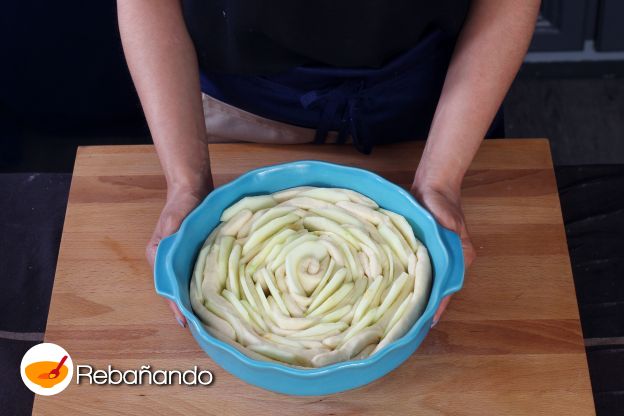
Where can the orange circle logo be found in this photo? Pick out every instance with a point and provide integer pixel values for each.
(46, 369)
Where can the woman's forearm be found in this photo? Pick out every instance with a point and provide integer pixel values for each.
(163, 65)
(487, 56)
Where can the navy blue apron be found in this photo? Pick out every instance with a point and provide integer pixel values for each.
(373, 106)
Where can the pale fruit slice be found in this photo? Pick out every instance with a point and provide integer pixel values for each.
(310, 276)
(252, 203)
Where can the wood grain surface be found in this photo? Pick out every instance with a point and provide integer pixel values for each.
(510, 342)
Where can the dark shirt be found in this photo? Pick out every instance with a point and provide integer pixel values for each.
(270, 36)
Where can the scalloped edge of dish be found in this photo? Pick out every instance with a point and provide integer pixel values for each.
(433, 303)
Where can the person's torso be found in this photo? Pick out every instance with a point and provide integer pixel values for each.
(261, 37)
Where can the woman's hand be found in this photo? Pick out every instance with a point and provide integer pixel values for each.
(489, 50)
(180, 202)
(445, 205)
(163, 64)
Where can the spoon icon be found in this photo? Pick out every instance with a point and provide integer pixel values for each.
(54, 373)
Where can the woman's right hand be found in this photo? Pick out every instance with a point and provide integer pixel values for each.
(163, 63)
(180, 202)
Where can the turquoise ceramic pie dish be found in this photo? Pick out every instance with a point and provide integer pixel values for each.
(176, 257)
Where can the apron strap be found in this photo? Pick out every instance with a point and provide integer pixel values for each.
(342, 101)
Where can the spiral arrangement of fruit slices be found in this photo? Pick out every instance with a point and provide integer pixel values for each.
(310, 277)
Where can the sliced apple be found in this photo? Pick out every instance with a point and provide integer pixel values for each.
(252, 203)
(310, 277)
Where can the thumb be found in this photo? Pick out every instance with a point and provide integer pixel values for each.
(168, 223)
(150, 250)
(470, 253)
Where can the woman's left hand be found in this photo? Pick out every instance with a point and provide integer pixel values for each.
(445, 206)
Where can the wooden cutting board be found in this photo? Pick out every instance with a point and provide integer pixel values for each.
(509, 343)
